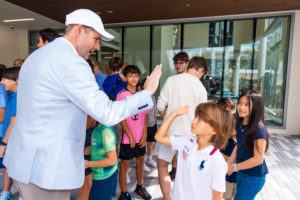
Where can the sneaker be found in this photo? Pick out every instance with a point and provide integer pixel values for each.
(172, 173)
(141, 191)
(127, 178)
(150, 162)
(5, 196)
(125, 196)
(146, 168)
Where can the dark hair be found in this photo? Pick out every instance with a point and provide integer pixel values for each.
(256, 118)
(226, 103)
(11, 73)
(131, 69)
(90, 64)
(181, 56)
(48, 34)
(115, 64)
(198, 62)
(2, 67)
(221, 120)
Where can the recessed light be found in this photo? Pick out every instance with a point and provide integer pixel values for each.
(187, 5)
(18, 20)
(110, 11)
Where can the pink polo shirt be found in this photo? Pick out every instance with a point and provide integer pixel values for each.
(135, 123)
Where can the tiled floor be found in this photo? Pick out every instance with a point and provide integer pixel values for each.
(283, 180)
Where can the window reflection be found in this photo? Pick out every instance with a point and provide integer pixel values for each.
(269, 78)
(242, 54)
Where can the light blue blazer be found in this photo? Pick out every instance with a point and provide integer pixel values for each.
(56, 92)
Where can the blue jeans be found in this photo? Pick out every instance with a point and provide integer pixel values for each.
(247, 186)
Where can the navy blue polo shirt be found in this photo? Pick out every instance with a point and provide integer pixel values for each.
(227, 151)
(242, 154)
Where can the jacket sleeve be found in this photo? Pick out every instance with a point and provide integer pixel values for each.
(81, 89)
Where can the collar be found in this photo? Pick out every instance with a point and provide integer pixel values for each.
(70, 44)
(208, 150)
(129, 91)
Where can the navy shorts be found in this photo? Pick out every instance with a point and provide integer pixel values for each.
(104, 189)
(1, 163)
(127, 153)
(151, 133)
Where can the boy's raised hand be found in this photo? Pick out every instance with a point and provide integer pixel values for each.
(181, 110)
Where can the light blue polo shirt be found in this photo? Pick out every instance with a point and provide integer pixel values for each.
(2, 105)
(11, 110)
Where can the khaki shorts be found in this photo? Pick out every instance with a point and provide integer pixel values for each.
(230, 190)
(34, 192)
(165, 153)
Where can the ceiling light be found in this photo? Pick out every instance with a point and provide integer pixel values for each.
(110, 11)
(187, 5)
(18, 20)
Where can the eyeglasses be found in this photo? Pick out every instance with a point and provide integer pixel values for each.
(179, 63)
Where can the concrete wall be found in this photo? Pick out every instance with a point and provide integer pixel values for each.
(13, 44)
(196, 35)
(293, 82)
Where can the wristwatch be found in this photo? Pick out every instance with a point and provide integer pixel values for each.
(235, 169)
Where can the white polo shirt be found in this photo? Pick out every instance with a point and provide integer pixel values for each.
(198, 172)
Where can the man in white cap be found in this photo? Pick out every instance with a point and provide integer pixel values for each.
(56, 92)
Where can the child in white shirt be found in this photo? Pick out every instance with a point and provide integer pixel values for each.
(201, 168)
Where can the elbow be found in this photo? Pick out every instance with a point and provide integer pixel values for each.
(156, 138)
(114, 161)
(260, 161)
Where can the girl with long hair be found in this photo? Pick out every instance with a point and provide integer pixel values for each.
(248, 157)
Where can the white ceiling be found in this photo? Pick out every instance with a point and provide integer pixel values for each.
(12, 11)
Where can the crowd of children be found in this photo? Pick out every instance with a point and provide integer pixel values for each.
(222, 144)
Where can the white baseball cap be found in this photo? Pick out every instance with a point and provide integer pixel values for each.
(88, 18)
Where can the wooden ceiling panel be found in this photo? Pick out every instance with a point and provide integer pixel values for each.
(149, 10)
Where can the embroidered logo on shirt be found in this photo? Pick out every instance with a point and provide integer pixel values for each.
(135, 117)
(201, 166)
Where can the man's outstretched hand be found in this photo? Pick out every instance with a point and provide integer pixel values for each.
(152, 81)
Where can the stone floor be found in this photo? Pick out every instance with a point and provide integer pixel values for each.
(283, 180)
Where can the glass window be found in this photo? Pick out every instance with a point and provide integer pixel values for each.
(110, 49)
(238, 55)
(242, 54)
(165, 44)
(269, 74)
(137, 48)
(197, 42)
(34, 39)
